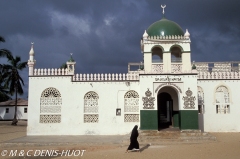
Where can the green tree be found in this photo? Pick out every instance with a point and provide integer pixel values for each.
(4, 52)
(14, 81)
(2, 39)
(63, 66)
(4, 92)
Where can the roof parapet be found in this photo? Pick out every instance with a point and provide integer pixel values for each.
(167, 37)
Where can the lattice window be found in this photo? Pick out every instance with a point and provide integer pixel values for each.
(91, 107)
(50, 106)
(131, 101)
(54, 101)
(51, 92)
(131, 104)
(50, 109)
(221, 67)
(222, 100)
(50, 118)
(131, 118)
(200, 100)
(201, 67)
(157, 68)
(91, 118)
(176, 68)
(91, 102)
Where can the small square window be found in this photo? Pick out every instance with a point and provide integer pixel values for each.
(200, 109)
(25, 110)
(7, 110)
(118, 111)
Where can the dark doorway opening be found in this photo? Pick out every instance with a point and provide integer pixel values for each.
(165, 109)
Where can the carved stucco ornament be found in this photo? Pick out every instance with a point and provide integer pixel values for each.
(148, 101)
(189, 100)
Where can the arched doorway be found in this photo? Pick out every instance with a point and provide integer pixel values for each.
(164, 110)
(168, 109)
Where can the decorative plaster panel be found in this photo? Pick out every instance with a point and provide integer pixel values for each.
(189, 100)
(131, 118)
(148, 101)
(50, 118)
(91, 118)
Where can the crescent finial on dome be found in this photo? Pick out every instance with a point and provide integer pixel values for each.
(163, 6)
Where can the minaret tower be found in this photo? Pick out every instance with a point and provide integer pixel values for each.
(70, 65)
(31, 61)
(165, 47)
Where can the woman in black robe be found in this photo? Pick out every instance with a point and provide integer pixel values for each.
(134, 145)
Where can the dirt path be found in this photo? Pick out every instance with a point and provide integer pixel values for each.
(227, 146)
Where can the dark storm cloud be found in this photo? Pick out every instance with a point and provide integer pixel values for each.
(24, 17)
(105, 35)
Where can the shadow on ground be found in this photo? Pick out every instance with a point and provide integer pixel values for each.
(144, 147)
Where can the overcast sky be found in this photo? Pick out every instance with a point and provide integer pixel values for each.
(104, 35)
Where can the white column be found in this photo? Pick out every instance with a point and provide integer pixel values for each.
(148, 61)
(31, 61)
(167, 62)
(186, 62)
(71, 68)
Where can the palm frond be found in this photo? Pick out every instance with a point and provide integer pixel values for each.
(2, 39)
(17, 59)
(22, 65)
(4, 90)
(21, 80)
(19, 88)
(6, 53)
(4, 97)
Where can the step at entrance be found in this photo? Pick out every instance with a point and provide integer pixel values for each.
(166, 137)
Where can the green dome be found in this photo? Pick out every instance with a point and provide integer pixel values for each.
(164, 27)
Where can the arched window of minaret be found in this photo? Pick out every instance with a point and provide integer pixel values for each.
(200, 100)
(50, 106)
(91, 107)
(131, 106)
(222, 100)
(157, 55)
(176, 55)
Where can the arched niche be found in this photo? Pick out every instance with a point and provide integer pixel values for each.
(157, 54)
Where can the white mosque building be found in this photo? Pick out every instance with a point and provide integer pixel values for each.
(167, 90)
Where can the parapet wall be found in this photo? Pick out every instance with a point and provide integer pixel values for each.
(217, 71)
(106, 77)
(218, 75)
(168, 37)
(88, 77)
(52, 71)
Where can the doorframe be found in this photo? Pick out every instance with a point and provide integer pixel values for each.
(174, 114)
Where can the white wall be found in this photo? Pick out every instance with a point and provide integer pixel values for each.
(154, 85)
(186, 55)
(214, 122)
(111, 96)
(9, 116)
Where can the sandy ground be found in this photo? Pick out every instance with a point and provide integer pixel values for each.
(227, 146)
